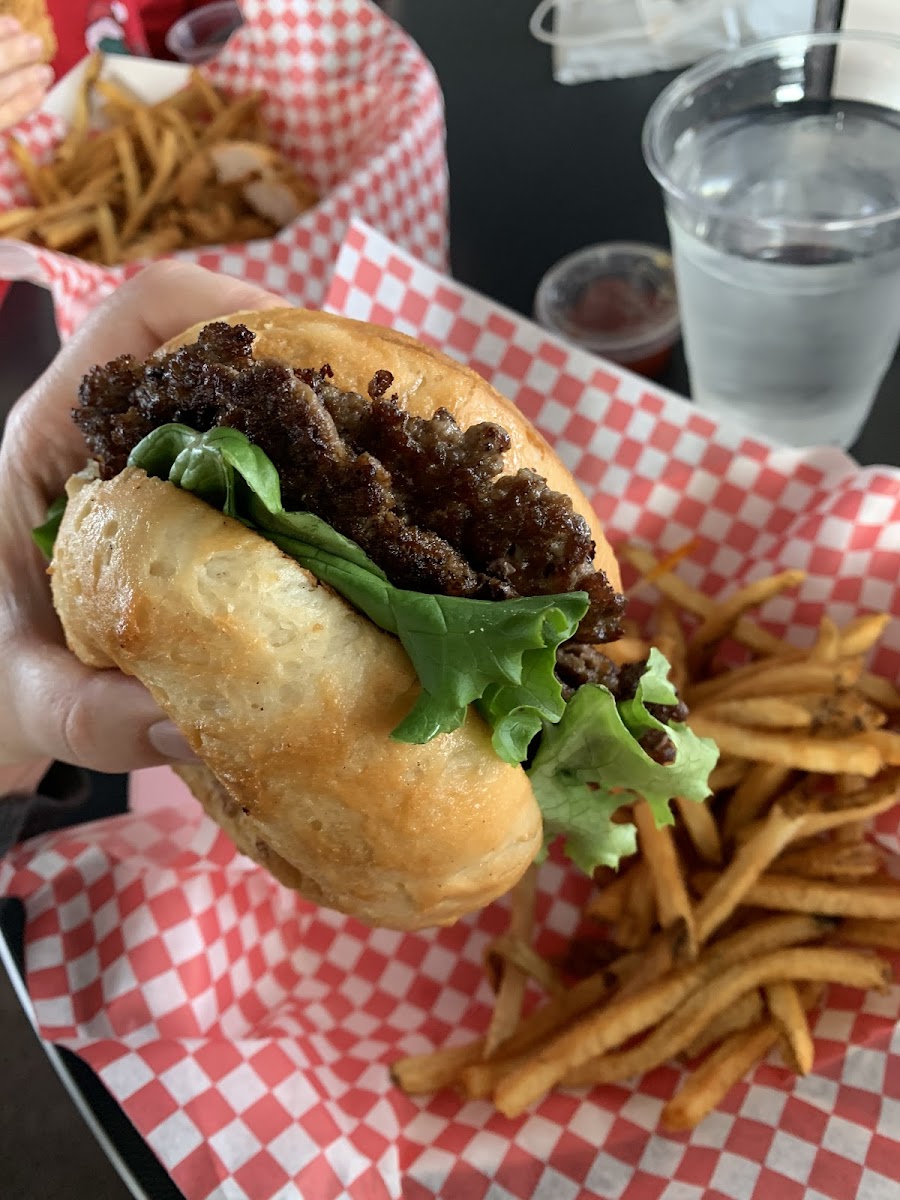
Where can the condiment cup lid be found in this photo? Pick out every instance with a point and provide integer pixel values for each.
(616, 299)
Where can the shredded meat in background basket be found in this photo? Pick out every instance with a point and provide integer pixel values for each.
(425, 499)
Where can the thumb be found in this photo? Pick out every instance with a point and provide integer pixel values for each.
(101, 720)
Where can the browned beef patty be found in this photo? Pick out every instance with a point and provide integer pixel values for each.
(425, 499)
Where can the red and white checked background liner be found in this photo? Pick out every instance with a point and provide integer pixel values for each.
(247, 1034)
(356, 107)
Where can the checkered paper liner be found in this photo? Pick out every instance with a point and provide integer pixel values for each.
(351, 101)
(247, 1034)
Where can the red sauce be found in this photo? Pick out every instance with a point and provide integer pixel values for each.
(614, 305)
(618, 306)
(653, 365)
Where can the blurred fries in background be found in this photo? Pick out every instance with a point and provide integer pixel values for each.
(132, 180)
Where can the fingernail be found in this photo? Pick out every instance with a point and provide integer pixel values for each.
(33, 44)
(42, 75)
(170, 742)
(9, 25)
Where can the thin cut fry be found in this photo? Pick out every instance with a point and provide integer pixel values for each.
(876, 798)
(670, 641)
(558, 1011)
(478, 1081)
(34, 177)
(106, 231)
(702, 829)
(784, 893)
(675, 946)
(608, 903)
(431, 1072)
(881, 691)
(624, 1017)
(118, 94)
(775, 677)
(793, 1028)
(64, 233)
(633, 928)
(887, 743)
(17, 222)
(831, 861)
(131, 181)
(748, 864)
(211, 97)
(513, 979)
(165, 162)
(745, 631)
(862, 633)
(667, 564)
(851, 834)
(866, 931)
(721, 620)
(760, 712)
(727, 773)
(513, 951)
(841, 713)
(532, 1031)
(823, 964)
(658, 847)
(627, 650)
(752, 796)
(716, 1076)
(228, 120)
(422, 1073)
(81, 111)
(743, 1013)
(856, 754)
(828, 644)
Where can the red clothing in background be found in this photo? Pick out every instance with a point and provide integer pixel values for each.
(140, 24)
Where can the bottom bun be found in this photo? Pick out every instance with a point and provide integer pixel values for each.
(289, 695)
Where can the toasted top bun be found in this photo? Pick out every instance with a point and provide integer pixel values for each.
(286, 692)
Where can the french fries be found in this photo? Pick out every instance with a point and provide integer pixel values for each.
(723, 617)
(783, 1002)
(830, 757)
(134, 180)
(672, 900)
(785, 893)
(722, 964)
(737, 1054)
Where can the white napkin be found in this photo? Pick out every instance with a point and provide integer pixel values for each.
(605, 39)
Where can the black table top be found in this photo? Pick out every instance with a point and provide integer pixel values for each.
(537, 170)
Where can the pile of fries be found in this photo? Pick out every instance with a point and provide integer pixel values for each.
(717, 939)
(132, 180)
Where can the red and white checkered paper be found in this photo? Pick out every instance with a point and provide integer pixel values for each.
(354, 105)
(248, 1034)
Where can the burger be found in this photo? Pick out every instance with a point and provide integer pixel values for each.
(375, 603)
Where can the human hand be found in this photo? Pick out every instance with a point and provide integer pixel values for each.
(24, 79)
(54, 707)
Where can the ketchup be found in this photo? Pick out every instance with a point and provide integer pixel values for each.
(612, 304)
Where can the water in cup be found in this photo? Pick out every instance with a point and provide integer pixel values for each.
(793, 335)
(780, 166)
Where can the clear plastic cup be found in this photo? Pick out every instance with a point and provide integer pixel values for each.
(617, 300)
(200, 35)
(780, 169)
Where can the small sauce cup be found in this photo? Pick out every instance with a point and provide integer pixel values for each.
(200, 35)
(617, 300)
